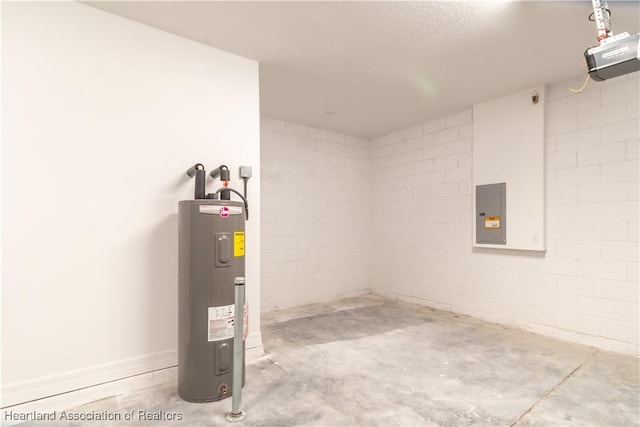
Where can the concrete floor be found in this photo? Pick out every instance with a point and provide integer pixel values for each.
(369, 361)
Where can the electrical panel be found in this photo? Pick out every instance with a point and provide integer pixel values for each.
(491, 214)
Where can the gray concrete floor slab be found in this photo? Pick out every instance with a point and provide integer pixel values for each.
(370, 361)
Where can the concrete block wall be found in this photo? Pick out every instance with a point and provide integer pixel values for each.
(585, 287)
(315, 214)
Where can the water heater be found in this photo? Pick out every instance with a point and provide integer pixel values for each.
(211, 256)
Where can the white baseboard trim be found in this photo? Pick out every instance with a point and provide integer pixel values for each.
(253, 347)
(117, 377)
(66, 401)
(65, 382)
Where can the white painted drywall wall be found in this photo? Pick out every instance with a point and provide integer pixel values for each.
(101, 118)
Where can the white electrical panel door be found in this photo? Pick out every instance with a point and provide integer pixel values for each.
(508, 147)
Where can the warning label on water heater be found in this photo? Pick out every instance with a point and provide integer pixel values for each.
(221, 322)
(238, 243)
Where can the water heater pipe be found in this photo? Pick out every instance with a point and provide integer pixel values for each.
(236, 413)
(199, 172)
(222, 171)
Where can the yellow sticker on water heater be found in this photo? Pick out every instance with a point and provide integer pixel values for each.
(238, 243)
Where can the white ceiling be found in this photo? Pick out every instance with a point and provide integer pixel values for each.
(369, 68)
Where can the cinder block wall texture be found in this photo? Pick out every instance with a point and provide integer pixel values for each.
(408, 231)
(316, 219)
